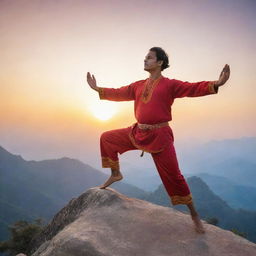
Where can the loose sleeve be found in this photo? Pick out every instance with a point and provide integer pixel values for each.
(124, 93)
(186, 89)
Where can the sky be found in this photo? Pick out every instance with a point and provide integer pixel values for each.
(48, 110)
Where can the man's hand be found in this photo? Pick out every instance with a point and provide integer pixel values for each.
(92, 81)
(224, 76)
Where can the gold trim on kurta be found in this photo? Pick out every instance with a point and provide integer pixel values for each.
(211, 87)
(181, 199)
(109, 163)
(148, 89)
(101, 93)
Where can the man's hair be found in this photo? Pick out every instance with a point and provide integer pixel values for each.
(161, 55)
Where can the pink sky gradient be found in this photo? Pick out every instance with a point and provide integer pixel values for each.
(48, 46)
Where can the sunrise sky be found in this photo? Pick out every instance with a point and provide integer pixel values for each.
(48, 110)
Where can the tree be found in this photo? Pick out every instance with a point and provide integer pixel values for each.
(22, 233)
(237, 232)
(213, 221)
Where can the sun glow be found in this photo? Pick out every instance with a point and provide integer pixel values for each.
(103, 111)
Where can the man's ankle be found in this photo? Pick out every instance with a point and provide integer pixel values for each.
(194, 214)
(116, 173)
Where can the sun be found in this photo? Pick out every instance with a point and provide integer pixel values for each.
(104, 110)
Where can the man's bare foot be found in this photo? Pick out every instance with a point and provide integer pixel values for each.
(111, 179)
(198, 224)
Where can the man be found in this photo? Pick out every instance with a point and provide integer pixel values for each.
(153, 98)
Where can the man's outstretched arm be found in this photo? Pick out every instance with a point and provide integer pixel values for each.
(124, 93)
(186, 89)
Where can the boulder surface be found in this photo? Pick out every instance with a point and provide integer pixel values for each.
(103, 222)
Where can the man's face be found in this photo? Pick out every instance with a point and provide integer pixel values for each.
(151, 63)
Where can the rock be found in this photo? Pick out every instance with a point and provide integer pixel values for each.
(103, 222)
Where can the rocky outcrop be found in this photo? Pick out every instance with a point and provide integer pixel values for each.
(103, 222)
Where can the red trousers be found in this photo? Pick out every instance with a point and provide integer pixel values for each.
(118, 141)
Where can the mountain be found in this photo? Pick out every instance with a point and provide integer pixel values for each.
(216, 151)
(233, 159)
(146, 177)
(239, 171)
(209, 206)
(38, 189)
(237, 196)
(230, 158)
(105, 222)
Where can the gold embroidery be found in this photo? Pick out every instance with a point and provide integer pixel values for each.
(109, 163)
(181, 199)
(101, 92)
(211, 87)
(148, 89)
(152, 126)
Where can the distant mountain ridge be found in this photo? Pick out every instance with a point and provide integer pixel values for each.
(220, 150)
(210, 205)
(230, 158)
(27, 187)
(237, 196)
(33, 189)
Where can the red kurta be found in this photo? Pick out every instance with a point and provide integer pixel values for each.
(152, 104)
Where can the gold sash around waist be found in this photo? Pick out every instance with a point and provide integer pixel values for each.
(152, 126)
